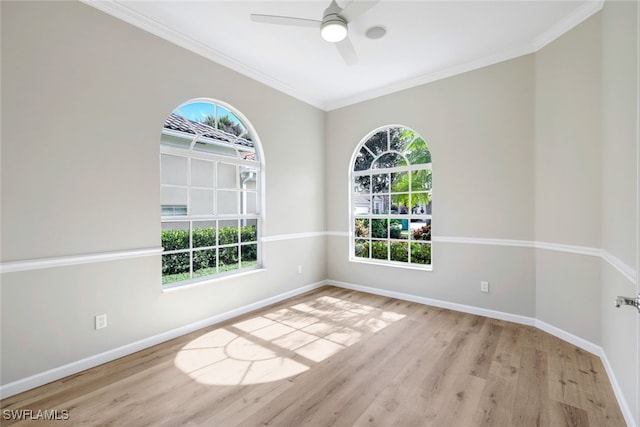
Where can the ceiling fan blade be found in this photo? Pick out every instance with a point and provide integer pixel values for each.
(285, 20)
(356, 8)
(347, 51)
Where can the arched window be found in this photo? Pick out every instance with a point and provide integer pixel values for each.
(210, 181)
(391, 199)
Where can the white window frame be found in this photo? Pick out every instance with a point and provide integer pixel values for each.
(355, 210)
(190, 153)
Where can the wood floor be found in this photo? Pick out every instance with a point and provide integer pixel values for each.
(335, 357)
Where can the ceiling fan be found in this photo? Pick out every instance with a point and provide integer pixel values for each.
(333, 26)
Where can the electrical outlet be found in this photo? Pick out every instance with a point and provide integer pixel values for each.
(299, 269)
(484, 286)
(101, 321)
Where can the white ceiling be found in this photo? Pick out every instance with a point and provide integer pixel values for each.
(425, 41)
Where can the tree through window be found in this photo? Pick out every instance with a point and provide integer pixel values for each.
(210, 195)
(391, 199)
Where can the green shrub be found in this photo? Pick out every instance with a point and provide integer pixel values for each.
(395, 228)
(362, 227)
(173, 240)
(399, 251)
(420, 253)
(379, 228)
(204, 261)
(362, 248)
(379, 250)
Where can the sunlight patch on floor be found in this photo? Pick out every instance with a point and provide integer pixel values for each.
(280, 344)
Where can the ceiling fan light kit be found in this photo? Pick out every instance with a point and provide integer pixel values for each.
(333, 29)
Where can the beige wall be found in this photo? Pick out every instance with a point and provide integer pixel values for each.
(84, 98)
(536, 149)
(568, 178)
(479, 127)
(620, 221)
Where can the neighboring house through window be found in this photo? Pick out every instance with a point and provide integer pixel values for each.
(211, 171)
(391, 199)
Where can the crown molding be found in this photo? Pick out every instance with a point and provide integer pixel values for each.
(120, 11)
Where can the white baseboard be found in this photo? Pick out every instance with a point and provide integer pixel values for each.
(624, 407)
(54, 374)
(516, 318)
(523, 320)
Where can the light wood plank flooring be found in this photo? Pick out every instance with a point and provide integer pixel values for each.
(335, 357)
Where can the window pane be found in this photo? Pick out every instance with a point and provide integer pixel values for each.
(175, 267)
(389, 160)
(248, 178)
(175, 236)
(363, 160)
(362, 184)
(227, 175)
(249, 231)
(249, 255)
(204, 262)
(173, 170)
(228, 259)
(400, 182)
(421, 180)
(362, 248)
(362, 227)
(399, 203)
(173, 196)
(379, 250)
(173, 210)
(397, 139)
(418, 151)
(421, 229)
(381, 205)
(379, 228)
(419, 202)
(397, 229)
(380, 183)
(420, 253)
(227, 232)
(362, 205)
(227, 202)
(204, 234)
(378, 143)
(201, 202)
(399, 251)
(249, 202)
(202, 173)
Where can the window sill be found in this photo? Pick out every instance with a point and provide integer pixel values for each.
(208, 280)
(392, 264)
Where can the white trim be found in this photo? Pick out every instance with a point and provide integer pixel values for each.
(63, 261)
(624, 406)
(626, 270)
(523, 320)
(572, 249)
(98, 359)
(338, 233)
(119, 10)
(581, 14)
(279, 237)
(568, 337)
(36, 264)
(483, 241)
